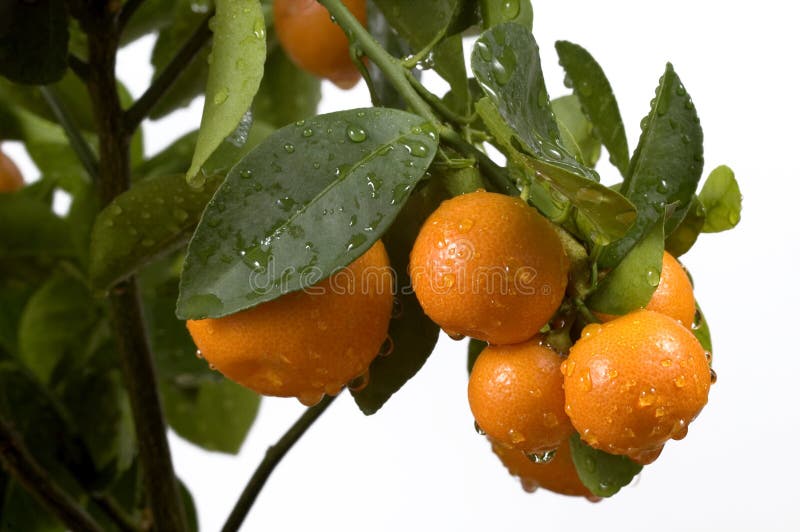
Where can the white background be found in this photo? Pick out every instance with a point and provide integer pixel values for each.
(418, 463)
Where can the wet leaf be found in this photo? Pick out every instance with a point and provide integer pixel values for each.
(701, 330)
(604, 474)
(665, 167)
(576, 130)
(310, 199)
(722, 200)
(393, 43)
(237, 60)
(33, 41)
(424, 21)
(685, 235)
(631, 284)
(518, 11)
(590, 85)
(155, 216)
(412, 335)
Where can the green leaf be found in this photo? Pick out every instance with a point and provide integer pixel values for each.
(665, 167)
(33, 41)
(604, 474)
(494, 13)
(412, 335)
(310, 199)
(575, 130)
(448, 58)
(152, 16)
(474, 349)
(200, 405)
(607, 212)
(19, 511)
(189, 507)
(155, 216)
(631, 284)
(594, 91)
(722, 200)
(685, 235)
(237, 60)
(381, 31)
(287, 93)
(701, 330)
(422, 22)
(56, 319)
(14, 294)
(29, 229)
(216, 415)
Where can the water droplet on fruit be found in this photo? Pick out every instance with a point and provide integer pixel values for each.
(647, 398)
(567, 367)
(387, 347)
(198, 354)
(542, 457)
(679, 381)
(478, 429)
(359, 383)
(310, 398)
(585, 380)
(550, 419)
(713, 376)
(455, 336)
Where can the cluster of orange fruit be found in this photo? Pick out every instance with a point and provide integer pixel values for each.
(488, 266)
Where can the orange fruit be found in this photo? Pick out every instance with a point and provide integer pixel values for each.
(10, 176)
(516, 396)
(557, 475)
(306, 343)
(314, 42)
(674, 296)
(488, 266)
(635, 382)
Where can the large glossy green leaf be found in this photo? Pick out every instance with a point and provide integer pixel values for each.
(237, 58)
(56, 319)
(33, 41)
(685, 235)
(422, 22)
(609, 214)
(311, 198)
(382, 89)
(631, 284)
(665, 167)
(591, 86)
(494, 12)
(604, 474)
(287, 93)
(722, 200)
(448, 60)
(412, 335)
(155, 216)
(575, 130)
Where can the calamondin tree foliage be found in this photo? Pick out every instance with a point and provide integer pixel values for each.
(276, 251)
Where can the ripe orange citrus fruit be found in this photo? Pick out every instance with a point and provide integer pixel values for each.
(557, 475)
(635, 382)
(314, 42)
(488, 266)
(516, 396)
(10, 176)
(674, 296)
(309, 342)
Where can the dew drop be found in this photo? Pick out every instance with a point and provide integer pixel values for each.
(356, 133)
(308, 132)
(483, 51)
(515, 437)
(220, 96)
(542, 457)
(713, 376)
(653, 277)
(288, 147)
(478, 428)
(387, 347)
(455, 336)
(359, 383)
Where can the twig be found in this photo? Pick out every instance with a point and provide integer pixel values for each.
(145, 104)
(79, 145)
(116, 513)
(127, 12)
(32, 476)
(78, 66)
(271, 459)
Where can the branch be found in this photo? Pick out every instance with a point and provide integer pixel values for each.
(78, 66)
(79, 145)
(144, 105)
(127, 12)
(115, 512)
(35, 479)
(272, 458)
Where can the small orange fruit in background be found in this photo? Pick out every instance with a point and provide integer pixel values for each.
(306, 343)
(516, 395)
(10, 176)
(314, 42)
(674, 296)
(634, 383)
(557, 475)
(488, 266)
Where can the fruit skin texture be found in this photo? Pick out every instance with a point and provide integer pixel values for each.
(10, 176)
(557, 475)
(488, 266)
(305, 343)
(516, 395)
(635, 382)
(674, 296)
(314, 42)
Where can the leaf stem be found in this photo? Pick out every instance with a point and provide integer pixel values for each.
(435, 102)
(33, 477)
(271, 459)
(497, 175)
(79, 145)
(389, 65)
(145, 104)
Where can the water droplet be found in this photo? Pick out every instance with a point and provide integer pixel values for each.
(483, 50)
(585, 88)
(356, 133)
(591, 330)
(515, 437)
(399, 193)
(667, 362)
(308, 132)
(549, 418)
(416, 149)
(220, 96)
(713, 376)
(567, 367)
(198, 354)
(259, 32)
(245, 173)
(387, 347)
(465, 225)
(529, 485)
(542, 457)
(510, 9)
(374, 183)
(455, 336)
(288, 147)
(585, 380)
(310, 398)
(680, 381)
(359, 383)
(355, 241)
(647, 398)
(285, 203)
(589, 463)
(653, 277)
